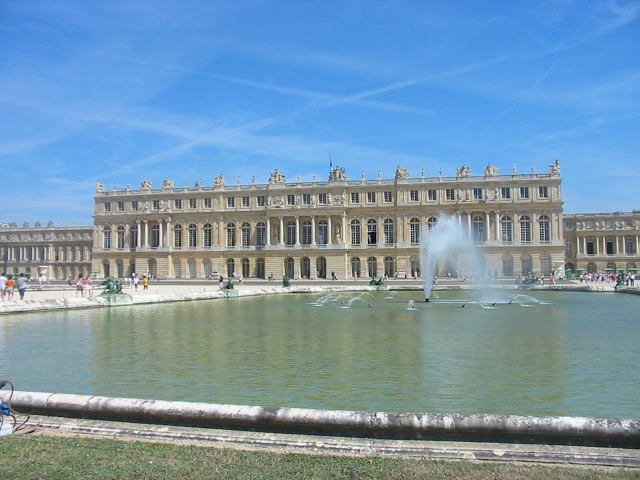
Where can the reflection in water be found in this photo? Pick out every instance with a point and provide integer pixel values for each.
(565, 354)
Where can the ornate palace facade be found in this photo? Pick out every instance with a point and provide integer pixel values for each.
(56, 252)
(310, 229)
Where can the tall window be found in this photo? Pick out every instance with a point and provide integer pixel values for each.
(432, 195)
(388, 231)
(207, 203)
(545, 233)
(246, 234)
(231, 235)
(245, 267)
(477, 194)
(261, 234)
(106, 237)
(413, 195)
(107, 206)
(372, 232)
(245, 201)
(506, 192)
(568, 249)
(134, 237)
(322, 198)
(121, 206)
(524, 192)
(261, 200)
(155, 204)
(478, 229)
(543, 192)
(355, 232)
(120, 237)
(431, 223)
(323, 237)
(371, 197)
(177, 236)
(372, 265)
(629, 246)
(134, 205)
(291, 233)
(192, 203)
(450, 194)
(525, 229)
(193, 235)
(507, 230)
(355, 267)
(231, 202)
(306, 232)
(355, 197)
(306, 198)
(414, 228)
(230, 266)
(177, 203)
(388, 197)
(206, 234)
(291, 199)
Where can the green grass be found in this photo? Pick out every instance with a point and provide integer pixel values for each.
(47, 457)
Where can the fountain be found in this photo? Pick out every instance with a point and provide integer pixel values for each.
(446, 241)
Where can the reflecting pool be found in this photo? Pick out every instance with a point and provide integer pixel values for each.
(555, 354)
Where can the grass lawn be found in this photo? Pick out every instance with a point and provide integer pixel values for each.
(49, 457)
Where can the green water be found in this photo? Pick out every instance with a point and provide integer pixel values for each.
(578, 355)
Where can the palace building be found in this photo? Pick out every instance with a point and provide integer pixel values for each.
(309, 229)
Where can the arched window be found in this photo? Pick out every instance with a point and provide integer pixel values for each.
(507, 266)
(431, 223)
(388, 266)
(206, 235)
(478, 229)
(355, 232)
(231, 235)
(230, 266)
(291, 233)
(414, 227)
(372, 265)
(323, 237)
(120, 238)
(525, 260)
(245, 267)
(106, 239)
(193, 235)
(507, 230)
(321, 267)
(260, 268)
(372, 232)
(261, 234)
(177, 236)
(208, 268)
(388, 231)
(355, 267)
(545, 231)
(306, 232)
(246, 234)
(545, 264)
(415, 267)
(525, 229)
(305, 267)
(105, 269)
(289, 267)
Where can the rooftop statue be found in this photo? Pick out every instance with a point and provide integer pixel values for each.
(219, 181)
(99, 187)
(402, 173)
(167, 184)
(25, 225)
(49, 223)
(491, 171)
(37, 224)
(277, 178)
(464, 171)
(338, 174)
(145, 184)
(554, 168)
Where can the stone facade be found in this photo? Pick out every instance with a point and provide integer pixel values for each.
(602, 241)
(57, 252)
(310, 229)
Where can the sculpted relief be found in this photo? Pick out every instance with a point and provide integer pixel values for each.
(277, 178)
(402, 173)
(554, 168)
(464, 171)
(491, 171)
(145, 184)
(219, 181)
(338, 174)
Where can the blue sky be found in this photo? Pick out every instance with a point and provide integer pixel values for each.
(121, 91)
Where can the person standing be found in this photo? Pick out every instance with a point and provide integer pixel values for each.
(136, 281)
(80, 286)
(21, 283)
(11, 284)
(3, 286)
(145, 282)
(87, 286)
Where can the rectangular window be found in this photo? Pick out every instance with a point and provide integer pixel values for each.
(355, 197)
(506, 192)
(121, 206)
(207, 203)
(413, 195)
(81, 255)
(306, 199)
(322, 198)
(568, 249)
(245, 201)
(371, 197)
(107, 206)
(261, 200)
(388, 197)
(432, 195)
(231, 202)
(629, 245)
(291, 199)
(192, 203)
(543, 192)
(177, 203)
(156, 204)
(477, 194)
(590, 248)
(134, 205)
(450, 194)
(524, 192)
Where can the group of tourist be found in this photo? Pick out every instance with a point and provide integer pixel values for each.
(8, 286)
(134, 281)
(629, 279)
(83, 285)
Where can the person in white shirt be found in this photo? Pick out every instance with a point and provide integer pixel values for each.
(3, 286)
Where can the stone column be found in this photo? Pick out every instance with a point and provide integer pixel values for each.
(497, 226)
(139, 234)
(637, 244)
(168, 234)
(281, 234)
(268, 242)
(584, 245)
(344, 228)
(146, 233)
(313, 232)
(160, 242)
(487, 227)
(297, 230)
(330, 232)
(469, 224)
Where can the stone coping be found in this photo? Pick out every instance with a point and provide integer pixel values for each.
(49, 301)
(624, 433)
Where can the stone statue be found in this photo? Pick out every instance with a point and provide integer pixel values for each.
(440, 172)
(13, 225)
(49, 223)
(99, 187)
(464, 171)
(338, 174)
(339, 199)
(145, 206)
(460, 195)
(167, 184)
(25, 225)
(468, 195)
(515, 169)
(337, 230)
(496, 193)
(219, 181)
(198, 183)
(277, 178)
(402, 173)
(37, 224)
(329, 199)
(145, 185)
(554, 168)
(491, 170)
